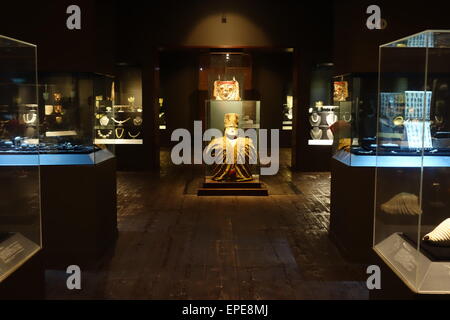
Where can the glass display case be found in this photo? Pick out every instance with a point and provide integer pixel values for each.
(353, 164)
(227, 111)
(354, 130)
(288, 114)
(66, 104)
(412, 226)
(20, 219)
(162, 114)
(228, 75)
(118, 116)
(323, 113)
(321, 118)
(247, 117)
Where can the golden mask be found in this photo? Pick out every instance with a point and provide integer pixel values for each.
(226, 90)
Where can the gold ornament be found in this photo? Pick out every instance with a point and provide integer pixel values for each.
(340, 91)
(398, 121)
(57, 97)
(234, 155)
(226, 90)
(231, 120)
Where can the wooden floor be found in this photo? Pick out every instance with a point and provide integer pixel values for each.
(176, 245)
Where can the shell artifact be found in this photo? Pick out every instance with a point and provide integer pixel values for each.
(403, 204)
(441, 235)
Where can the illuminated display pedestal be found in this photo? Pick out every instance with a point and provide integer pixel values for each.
(320, 142)
(214, 188)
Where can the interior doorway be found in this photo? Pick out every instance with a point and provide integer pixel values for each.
(183, 90)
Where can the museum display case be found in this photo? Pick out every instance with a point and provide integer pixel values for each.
(118, 115)
(288, 114)
(354, 130)
(232, 125)
(323, 112)
(226, 74)
(20, 215)
(246, 115)
(321, 118)
(72, 163)
(67, 102)
(353, 163)
(412, 226)
(162, 115)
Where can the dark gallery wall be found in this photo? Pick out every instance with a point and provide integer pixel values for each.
(43, 23)
(272, 81)
(356, 47)
(179, 87)
(249, 23)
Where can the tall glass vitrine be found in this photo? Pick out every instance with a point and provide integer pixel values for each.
(412, 217)
(20, 217)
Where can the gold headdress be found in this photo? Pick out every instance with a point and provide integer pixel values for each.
(231, 120)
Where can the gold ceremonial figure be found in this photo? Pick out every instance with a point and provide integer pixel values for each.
(234, 155)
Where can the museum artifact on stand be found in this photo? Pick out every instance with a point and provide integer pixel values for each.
(235, 154)
(237, 173)
(227, 90)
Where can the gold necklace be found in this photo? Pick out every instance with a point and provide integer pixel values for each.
(347, 117)
(315, 117)
(331, 119)
(104, 136)
(119, 136)
(27, 119)
(316, 133)
(137, 121)
(104, 120)
(120, 123)
(134, 137)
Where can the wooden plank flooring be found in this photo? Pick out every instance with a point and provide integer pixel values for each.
(175, 245)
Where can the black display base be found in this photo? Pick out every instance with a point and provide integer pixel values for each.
(314, 158)
(351, 218)
(393, 288)
(285, 138)
(5, 235)
(248, 188)
(79, 214)
(434, 253)
(131, 157)
(27, 282)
